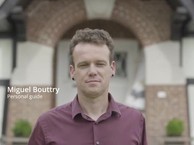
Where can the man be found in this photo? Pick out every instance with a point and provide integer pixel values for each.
(93, 117)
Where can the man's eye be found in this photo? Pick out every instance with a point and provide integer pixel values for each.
(100, 64)
(83, 65)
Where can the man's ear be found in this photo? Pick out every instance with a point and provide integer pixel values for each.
(72, 71)
(113, 67)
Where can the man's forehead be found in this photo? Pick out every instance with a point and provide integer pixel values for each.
(90, 45)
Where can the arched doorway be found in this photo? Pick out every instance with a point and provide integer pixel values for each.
(128, 54)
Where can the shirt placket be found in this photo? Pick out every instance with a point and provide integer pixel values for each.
(96, 133)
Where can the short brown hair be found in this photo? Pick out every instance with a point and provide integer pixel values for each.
(95, 36)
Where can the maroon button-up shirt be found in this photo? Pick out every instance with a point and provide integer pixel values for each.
(68, 125)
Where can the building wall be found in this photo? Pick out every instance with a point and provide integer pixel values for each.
(166, 88)
(34, 65)
(148, 20)
(34, 69)
(28, 108)
(161, 108)
(187, 57)
(163, 64)
(5, 73)
(188, 69)
(5, 58)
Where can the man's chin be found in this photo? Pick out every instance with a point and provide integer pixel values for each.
(93, 84)
(93, 93)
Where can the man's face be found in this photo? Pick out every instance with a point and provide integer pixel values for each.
(92, 69)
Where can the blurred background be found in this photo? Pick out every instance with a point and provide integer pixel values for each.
(154, 50)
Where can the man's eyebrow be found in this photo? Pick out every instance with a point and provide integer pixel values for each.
(86, 62)
(82, 62)
(103, 61)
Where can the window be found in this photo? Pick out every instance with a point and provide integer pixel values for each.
(121, 64)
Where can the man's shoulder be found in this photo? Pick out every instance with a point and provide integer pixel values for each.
(128, 111)
(56, 112)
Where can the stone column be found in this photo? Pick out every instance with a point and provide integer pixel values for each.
(5, 73)
(165, 89)
(34, 70)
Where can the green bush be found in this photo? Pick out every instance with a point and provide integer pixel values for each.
(22, 128)
(175, 127)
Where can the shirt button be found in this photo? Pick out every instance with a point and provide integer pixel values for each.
(97, 142)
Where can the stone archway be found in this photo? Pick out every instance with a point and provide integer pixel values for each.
(49, 20)
(124, 41)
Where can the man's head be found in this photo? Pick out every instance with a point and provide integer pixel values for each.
(93, 36)
(92, 62)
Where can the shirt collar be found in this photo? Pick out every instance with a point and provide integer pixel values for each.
(76, 108)
(113, 107)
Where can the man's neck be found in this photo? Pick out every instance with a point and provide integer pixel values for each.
(94, 107)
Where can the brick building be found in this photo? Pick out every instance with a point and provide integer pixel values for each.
(154, 42)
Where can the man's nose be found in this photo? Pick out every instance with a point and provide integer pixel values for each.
(92, 70)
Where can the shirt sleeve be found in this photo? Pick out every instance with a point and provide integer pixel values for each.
(144, 137)
(37, 137)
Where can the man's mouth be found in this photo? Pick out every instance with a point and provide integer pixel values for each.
(92, 81)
